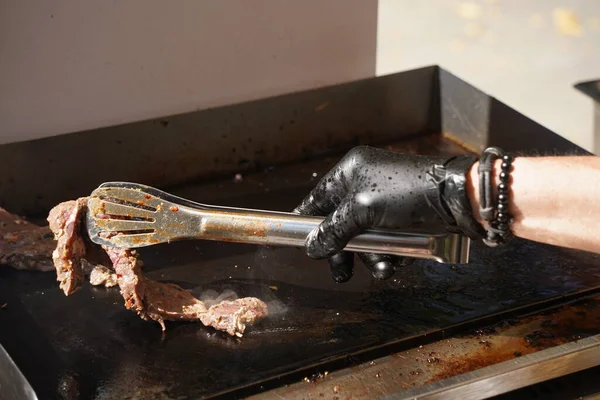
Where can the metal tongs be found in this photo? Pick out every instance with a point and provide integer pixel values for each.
(130, 215)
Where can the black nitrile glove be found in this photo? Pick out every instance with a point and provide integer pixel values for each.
(378, 189)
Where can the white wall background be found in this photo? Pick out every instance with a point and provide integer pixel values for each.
(70, 65)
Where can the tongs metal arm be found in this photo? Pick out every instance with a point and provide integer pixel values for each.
(285, 229)
(131, 215)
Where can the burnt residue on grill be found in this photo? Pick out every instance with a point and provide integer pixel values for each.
(325, 325)
(504, 341)
(510, 339)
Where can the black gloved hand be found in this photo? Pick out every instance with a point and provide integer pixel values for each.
(375, 188)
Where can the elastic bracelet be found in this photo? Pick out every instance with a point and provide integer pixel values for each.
(495, 211)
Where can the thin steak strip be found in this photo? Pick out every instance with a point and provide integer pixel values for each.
(65, 222)
(151, 300)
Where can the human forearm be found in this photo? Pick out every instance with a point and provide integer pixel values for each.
(553, 200)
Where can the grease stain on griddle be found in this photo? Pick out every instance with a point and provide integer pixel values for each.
(533, 334)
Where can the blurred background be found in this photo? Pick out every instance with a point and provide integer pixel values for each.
(71, 65)
(528, 53)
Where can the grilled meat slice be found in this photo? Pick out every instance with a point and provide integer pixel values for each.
(233, 316)
(151, 300)
(65, 222)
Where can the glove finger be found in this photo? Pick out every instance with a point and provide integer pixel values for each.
(380, 265)
(325, 196)
(334, 233)
(342, 266)
(383, 266)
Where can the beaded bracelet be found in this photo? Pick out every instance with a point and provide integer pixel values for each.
(495, 213)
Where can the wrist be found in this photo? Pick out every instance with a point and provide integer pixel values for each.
(447, 195)
(472, 186)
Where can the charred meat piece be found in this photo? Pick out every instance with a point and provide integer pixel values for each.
(151, 300)
(233, 316)
(23, 245)
(102, 276)
(129, 278)
(74, 256)
(65, 222)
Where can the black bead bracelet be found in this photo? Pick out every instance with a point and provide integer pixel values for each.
(495, 213)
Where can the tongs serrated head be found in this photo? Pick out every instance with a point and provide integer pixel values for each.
(129, 215)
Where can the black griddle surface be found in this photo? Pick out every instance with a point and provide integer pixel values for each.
(88, 344)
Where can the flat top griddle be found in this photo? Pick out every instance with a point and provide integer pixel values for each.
(88, 345)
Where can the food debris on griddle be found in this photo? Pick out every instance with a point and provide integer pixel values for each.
(23, 245)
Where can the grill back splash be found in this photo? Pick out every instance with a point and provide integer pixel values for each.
(38, 174)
